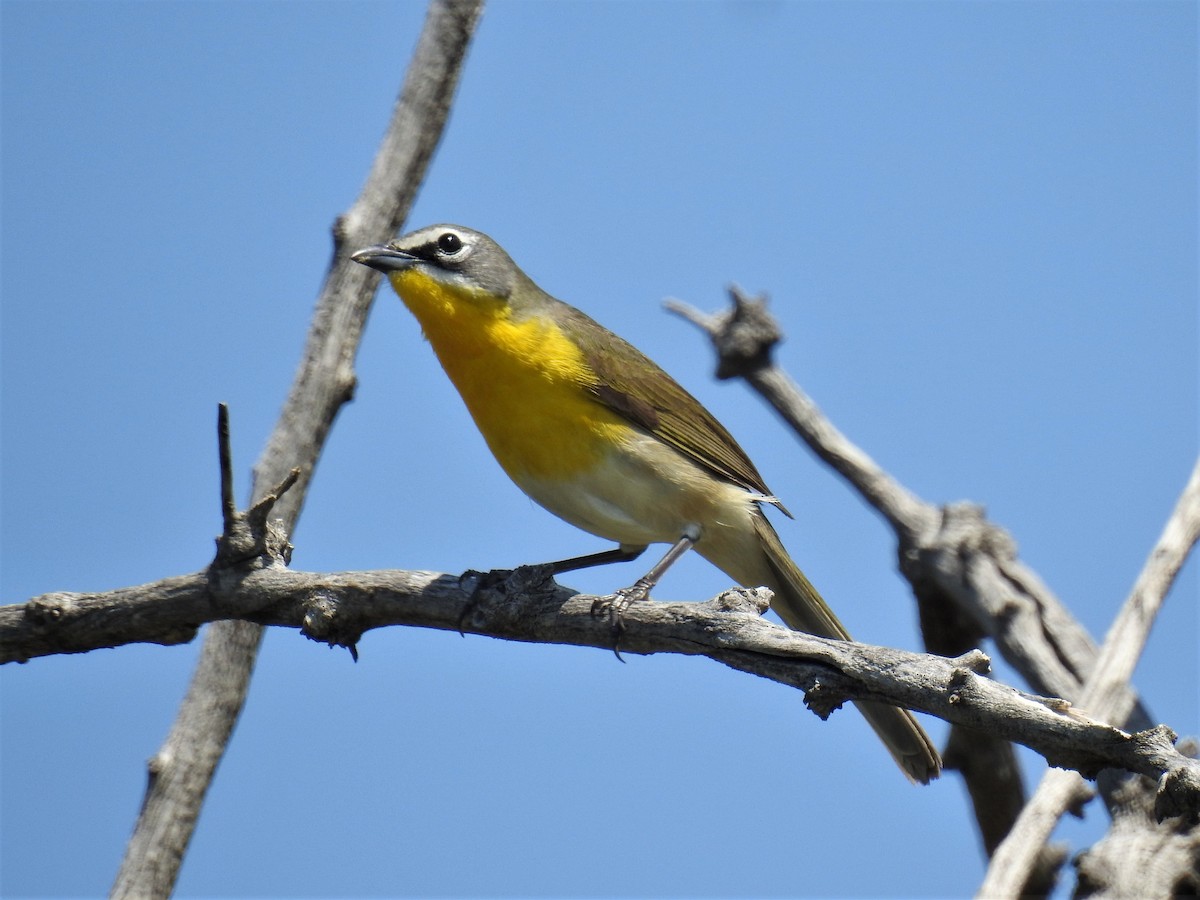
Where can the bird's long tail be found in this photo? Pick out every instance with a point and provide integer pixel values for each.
(803, 609)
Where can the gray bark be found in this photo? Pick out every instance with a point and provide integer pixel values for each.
(182, 770)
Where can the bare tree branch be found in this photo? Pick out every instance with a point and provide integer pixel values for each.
(1139, 857)
(182, 770)
(948, 555)
(1105, 699)
(952, 556)
(953, 546)
(1105, 693)
(338, 608)
(988, 764)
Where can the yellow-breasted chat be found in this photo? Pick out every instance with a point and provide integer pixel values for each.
(594, 431)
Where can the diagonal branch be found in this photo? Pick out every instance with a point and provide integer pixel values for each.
(1104, 697)
(964, 570)
(972, 562)
(182, 770)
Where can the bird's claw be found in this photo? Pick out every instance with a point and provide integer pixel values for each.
(614, 605)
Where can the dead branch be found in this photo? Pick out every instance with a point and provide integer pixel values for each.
(1104, 698)
(339, 608)
(953, 547)
(1140, 857)
(183, 768)
(964, 572)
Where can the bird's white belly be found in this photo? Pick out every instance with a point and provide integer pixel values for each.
(642, 493)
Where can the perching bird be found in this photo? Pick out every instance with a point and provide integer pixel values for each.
(598, 434)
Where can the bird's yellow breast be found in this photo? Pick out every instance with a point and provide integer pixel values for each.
(523, 380)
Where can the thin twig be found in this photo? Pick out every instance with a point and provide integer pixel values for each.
(228, 505)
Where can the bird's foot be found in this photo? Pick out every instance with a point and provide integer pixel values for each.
(613, 606)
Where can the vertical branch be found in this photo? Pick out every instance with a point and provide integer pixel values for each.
(225, 454)
(182, 770)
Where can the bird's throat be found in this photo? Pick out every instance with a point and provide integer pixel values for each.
(524, 381)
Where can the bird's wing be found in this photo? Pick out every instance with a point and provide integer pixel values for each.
(631, 384)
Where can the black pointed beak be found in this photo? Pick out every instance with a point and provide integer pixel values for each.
(384, 258)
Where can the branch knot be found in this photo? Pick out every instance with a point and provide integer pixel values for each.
(752, 601)
(250, 539)
(324, 622)
(46, 611)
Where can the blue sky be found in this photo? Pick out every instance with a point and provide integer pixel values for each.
(978, 227)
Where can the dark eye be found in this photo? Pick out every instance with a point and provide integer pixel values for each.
(449, 242)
